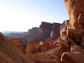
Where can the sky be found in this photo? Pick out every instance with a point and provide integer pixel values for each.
(21, 15)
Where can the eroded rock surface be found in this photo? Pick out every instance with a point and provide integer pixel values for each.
(11, 54)
(75, 10)
(31, 47)
(18, 43)
(64, 27)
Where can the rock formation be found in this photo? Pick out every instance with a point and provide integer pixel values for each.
(18, 43)
(47, 31)
(41, 58)
(75, 10)
(64, 27)
(11, 54)
(23, 36)
(75, 55)
(55, 33)
(31, 47)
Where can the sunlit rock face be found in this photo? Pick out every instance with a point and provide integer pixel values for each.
(10, 53)
(55, 31)
(75, 10)
(18, 43)
(64, 27)
(75, 32)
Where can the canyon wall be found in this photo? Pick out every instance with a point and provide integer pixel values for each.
(47, 31)
(75, 10)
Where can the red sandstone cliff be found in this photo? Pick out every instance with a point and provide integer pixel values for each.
(47, 31)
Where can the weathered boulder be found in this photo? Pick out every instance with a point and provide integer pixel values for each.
(43, 46)
(41, 58)
(75, 57)
(53, 56)
(82, 42)
(76, 35)
(18, 43)
(65, 41)
(31, 47)
(57, 50)
(61, 45)
(10, 53)
(76, 48)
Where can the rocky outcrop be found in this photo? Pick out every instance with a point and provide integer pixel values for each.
(31, 47)
(47, 31)
(41, 58)
(55, 33)
(11, 54)
(18, 43)
(76, 35)
(28, 35)
(75, 10)
(76, 55)
(23, 36)
(82, 42)
(61, 45)
(64, 27)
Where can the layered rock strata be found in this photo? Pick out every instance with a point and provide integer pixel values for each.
(11, 54)
(75, 10)
(18, 43)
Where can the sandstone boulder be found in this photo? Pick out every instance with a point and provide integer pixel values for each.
(57, 50)
(43, 46)
(41, 58)
(18, 43)
(82, 42)
(65, 41)
(76, 48)
(31, 47)
(76, 34)
(75, 57)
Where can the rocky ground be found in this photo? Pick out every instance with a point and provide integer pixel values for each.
(68, 48)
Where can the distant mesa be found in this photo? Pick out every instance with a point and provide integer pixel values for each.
(47, 31)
